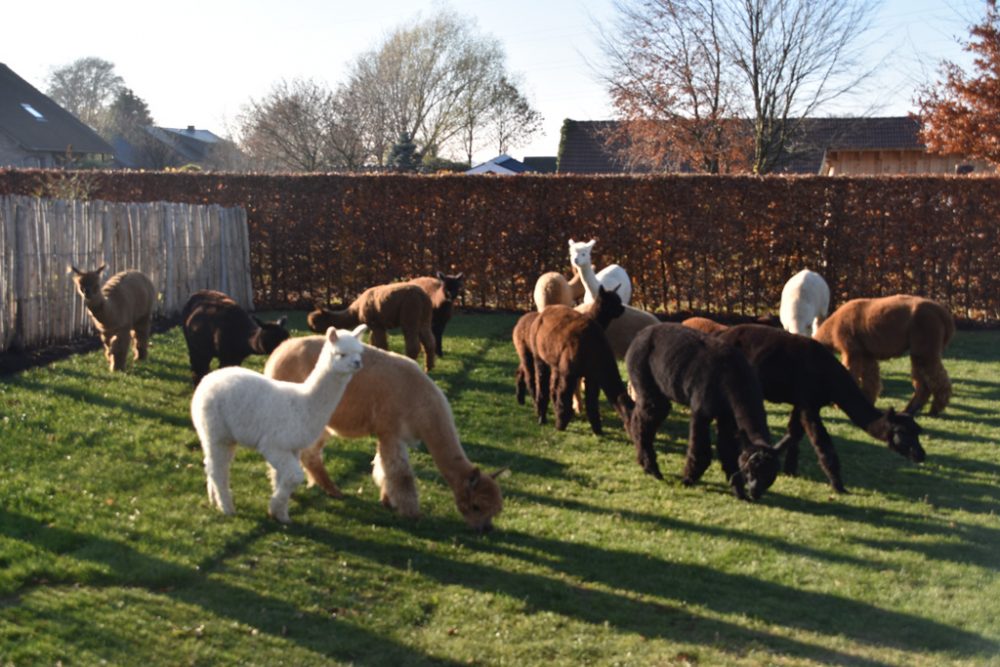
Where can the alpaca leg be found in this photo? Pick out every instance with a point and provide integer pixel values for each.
(379, 339)
(921, 388)
(437, 329)
(286, 475)
(542, 390)
(563, 387)
(864, 369)
(142, 329)
(311, 459)
(200, 364)
(592, 398)
(929, 377)
(729, 453)
(699, 453)
(392, 473)
(429, 345)
(120, 344)
(646, 419)
(218, 460)
(823, 444)
(790, 442)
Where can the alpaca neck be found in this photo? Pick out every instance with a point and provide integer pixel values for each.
(445, 448)
(590, 282)
(748, 411)
(96, 306)
(343, 319)
(849, 398)
(325, 386)
(255, 342)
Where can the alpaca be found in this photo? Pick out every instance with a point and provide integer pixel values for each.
(279, 419)
(123, 306)
(611, 276)
(443, 290)
(216, 326)
(525, 355)
(800, 371)
(552, 288)
(865, 331)
(704, 325)
(570, 346)
(384, 307)
(391, 399)
(670, 362)
(805, 301)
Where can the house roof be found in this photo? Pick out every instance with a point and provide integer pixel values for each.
(38, 124)
(501, 164)
(543, 164)
(584, 150)
(191, 144)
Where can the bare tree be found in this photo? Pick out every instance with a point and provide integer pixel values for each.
(512, 120)
(85, 88)
(680, 71)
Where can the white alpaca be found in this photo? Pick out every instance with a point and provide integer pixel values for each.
(612, 277)
(279, 419)
(805, 302)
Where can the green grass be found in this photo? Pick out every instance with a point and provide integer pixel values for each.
(109, 550)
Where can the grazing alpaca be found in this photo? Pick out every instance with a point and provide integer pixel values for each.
(119, 308)
(384, 307)
(279, 419)
(800, 371)
(704, 325)
(216, 326)
(391, 399)
(865, 331)
(552, 289)
(443, 291)
(570, 346)
(611, 277)
(805, 301)
(525, 355)
(670, 362)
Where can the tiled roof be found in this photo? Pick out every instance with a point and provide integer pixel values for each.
(38, 124)
(583, 149)
(543, 164)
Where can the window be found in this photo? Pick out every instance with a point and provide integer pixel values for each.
(34, 112)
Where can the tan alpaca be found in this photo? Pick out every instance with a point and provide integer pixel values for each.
(400, 305)
(865, 331)
(552, 288)
(704, 325)
(391, 399)
(123, 305)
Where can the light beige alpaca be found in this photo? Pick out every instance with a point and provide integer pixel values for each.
(552, 288)
(391, 399)
(119, 308)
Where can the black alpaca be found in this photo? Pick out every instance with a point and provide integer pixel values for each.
(670, 362)
(216, 326)
(569, 346)
(800, 371)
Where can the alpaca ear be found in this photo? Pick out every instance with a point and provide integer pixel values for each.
(592, 243)
(496, 474)
(440, 275)
(360, 329)
(459, 275)
(282, 322)
(331, 334)
(73, 269)
(100, 269)
(616, 288)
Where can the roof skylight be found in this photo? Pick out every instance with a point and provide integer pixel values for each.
(34, 112)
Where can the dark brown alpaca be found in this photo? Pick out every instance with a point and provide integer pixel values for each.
(670, 362)
(400, 305)
(865, 331)
(526, 356)
(570, 346)
(215, 326)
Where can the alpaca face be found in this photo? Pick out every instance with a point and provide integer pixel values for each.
(271, 334)
(346, 349)
(88, 283)
(759, 465)
(579, 252)
(904, 436)
(452, 284)
(609, 304)
(480, 500)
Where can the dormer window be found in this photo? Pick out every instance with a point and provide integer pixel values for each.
(33, 111)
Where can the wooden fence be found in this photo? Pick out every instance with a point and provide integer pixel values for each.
(181, 247)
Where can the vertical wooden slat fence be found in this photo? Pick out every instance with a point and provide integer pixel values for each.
(181, 247)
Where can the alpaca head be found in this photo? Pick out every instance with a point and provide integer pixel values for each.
(270, 334)
(452, 284)
(345, 349)
(579, 252)
(759, 464)
(88, 283)
(319, 320)
(479, 499)
(902, 433)
(607, 306)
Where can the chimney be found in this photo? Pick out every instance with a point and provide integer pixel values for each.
(191, 129)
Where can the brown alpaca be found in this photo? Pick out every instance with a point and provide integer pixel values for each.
(552, 288)
(443, 291)
(391, 399)
(121, 306)
(526, 356)
(570, 346)
(866, 331)
(704, 325)
(400, 305)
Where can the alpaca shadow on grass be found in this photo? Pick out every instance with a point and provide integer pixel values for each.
(683, 583)
(195, 586)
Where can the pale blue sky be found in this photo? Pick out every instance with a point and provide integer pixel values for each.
(198, 63)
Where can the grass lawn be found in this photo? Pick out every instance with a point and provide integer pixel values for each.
(109, 550)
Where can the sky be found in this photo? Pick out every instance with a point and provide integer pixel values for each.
(199, 63)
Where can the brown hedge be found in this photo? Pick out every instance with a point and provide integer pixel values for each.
(722, 245)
